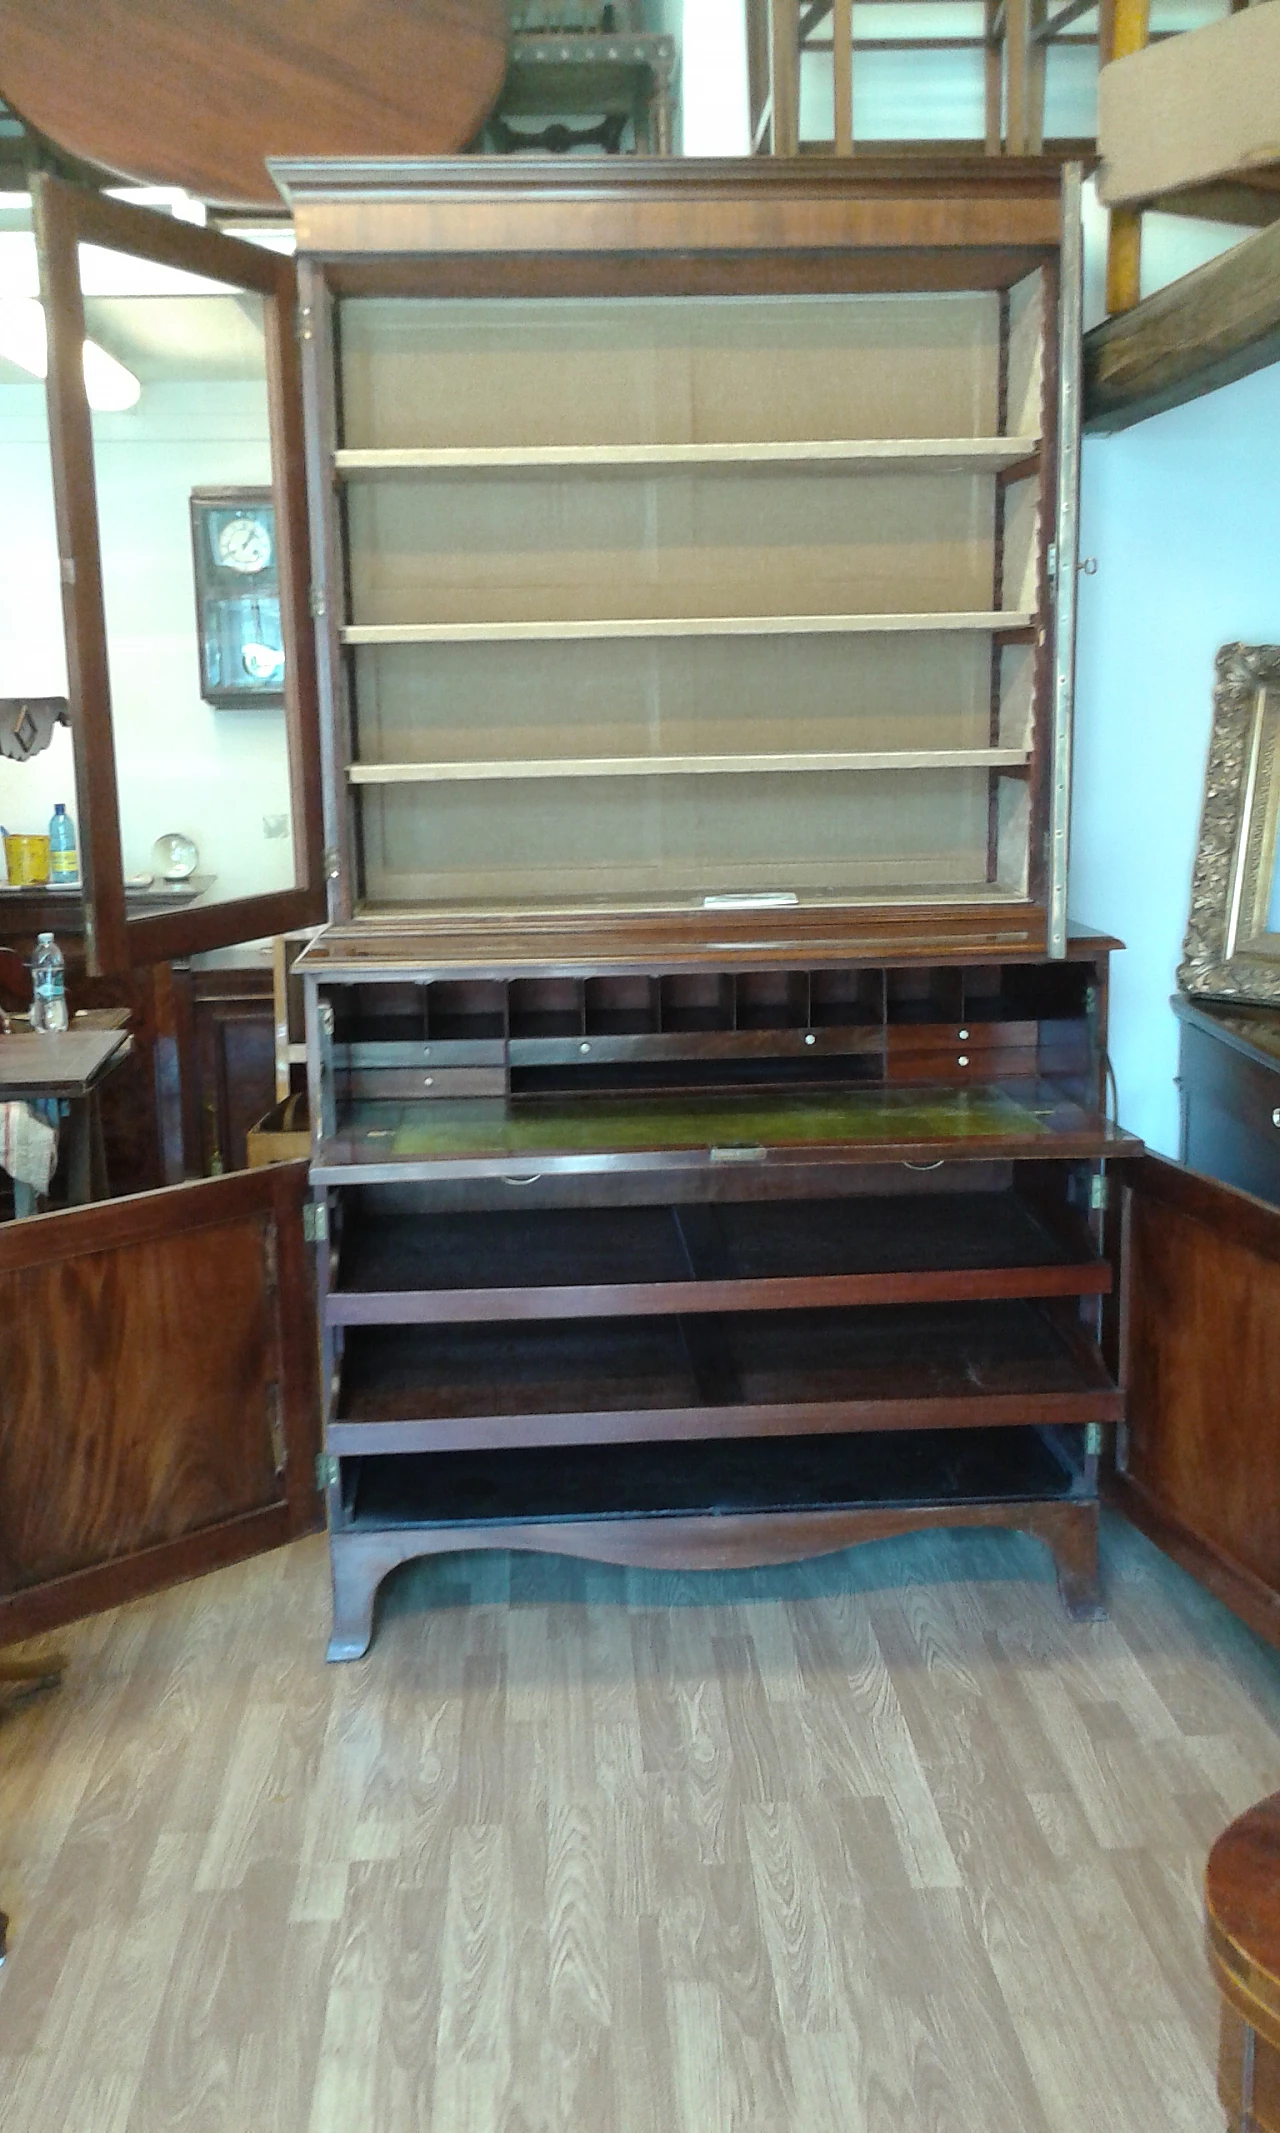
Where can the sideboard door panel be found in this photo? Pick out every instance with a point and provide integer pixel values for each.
(158, 1381)
(1201, 1338)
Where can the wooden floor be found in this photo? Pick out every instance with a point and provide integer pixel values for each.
(879, 1842)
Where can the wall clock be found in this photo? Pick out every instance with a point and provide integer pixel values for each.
(237, 586)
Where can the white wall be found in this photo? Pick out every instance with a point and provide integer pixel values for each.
(1183, 515)
(714, 100)
(180, 764)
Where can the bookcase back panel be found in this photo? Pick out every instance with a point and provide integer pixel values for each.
(526, 371)
(506, 842)
(451, 703)
(590, 549)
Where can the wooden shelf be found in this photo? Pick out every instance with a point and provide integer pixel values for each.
(725, 1482)
(681, 626)
(624, 1380)
(653, 1261)
(663, 766)
(889, 455)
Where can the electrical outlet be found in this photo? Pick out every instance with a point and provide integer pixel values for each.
(275, 825)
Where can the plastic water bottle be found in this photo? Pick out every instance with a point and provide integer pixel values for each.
(64, 862)
(49, 984)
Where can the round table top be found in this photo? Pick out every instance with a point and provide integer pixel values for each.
(1242, 1899)
(199, 92)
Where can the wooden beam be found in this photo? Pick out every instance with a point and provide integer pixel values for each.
(842, 62)
(785, 69)
(1037, 64)
(992, 79)
(1215, 325)
(816, 12)
(1017, 37)
(1053, 25)
(758, 73)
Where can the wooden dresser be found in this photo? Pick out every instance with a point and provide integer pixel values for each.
(710, 1157)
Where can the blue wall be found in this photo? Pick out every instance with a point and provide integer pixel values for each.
(1183, 515)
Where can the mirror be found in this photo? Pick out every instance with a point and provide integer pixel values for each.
(1232, 945)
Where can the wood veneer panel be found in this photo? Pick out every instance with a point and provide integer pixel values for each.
(159, 1384)
(1202, 1362)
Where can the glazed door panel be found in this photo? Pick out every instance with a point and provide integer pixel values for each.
(158, 1381)
(190, 657)
(1200, 1470)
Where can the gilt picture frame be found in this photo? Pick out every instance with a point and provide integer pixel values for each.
(1232, 945)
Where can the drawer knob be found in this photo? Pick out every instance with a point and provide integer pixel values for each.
(427, 1080)
(963, 1060)
(1275, 1116)
(584, 1047)
(809, 1037)
(964, 1036)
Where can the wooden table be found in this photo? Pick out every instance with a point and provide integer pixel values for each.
(69, 1067)
(1242, 1900)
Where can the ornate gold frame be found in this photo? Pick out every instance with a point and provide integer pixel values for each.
(1228, 952)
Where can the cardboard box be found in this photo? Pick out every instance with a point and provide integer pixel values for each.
(282, 1136)
(1195, 108)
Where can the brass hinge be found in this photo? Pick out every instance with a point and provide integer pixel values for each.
(315, 1222)
(270, 1257)
(304, 322)
(315, 601)
(275, 1423)
(1093, 1439)
(332, 862)
(1051, 562)
(1099, 1194)
(1122, 1447)
(326, 1470)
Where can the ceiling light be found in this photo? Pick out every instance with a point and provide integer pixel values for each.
(23, 340)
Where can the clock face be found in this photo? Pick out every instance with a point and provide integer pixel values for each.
(243, 543)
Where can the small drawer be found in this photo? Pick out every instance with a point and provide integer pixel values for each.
(903, 1037)
(965, 1064)
(451, 1052)
(405, 1084)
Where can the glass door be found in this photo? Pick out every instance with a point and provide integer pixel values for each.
(176, 434)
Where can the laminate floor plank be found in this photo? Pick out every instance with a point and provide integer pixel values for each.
(878, 1843)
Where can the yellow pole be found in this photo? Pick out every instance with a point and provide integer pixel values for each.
(1128, 22)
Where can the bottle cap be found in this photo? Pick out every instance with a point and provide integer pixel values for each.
(59, 807)
(44, 936)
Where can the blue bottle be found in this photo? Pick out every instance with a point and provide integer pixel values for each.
(64, 860)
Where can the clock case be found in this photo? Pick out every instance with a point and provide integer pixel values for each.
(234, 608)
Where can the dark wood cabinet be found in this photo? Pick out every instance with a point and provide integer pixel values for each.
(1229, 1091)
(233, 1051)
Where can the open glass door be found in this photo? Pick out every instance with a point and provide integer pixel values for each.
(176, 436)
